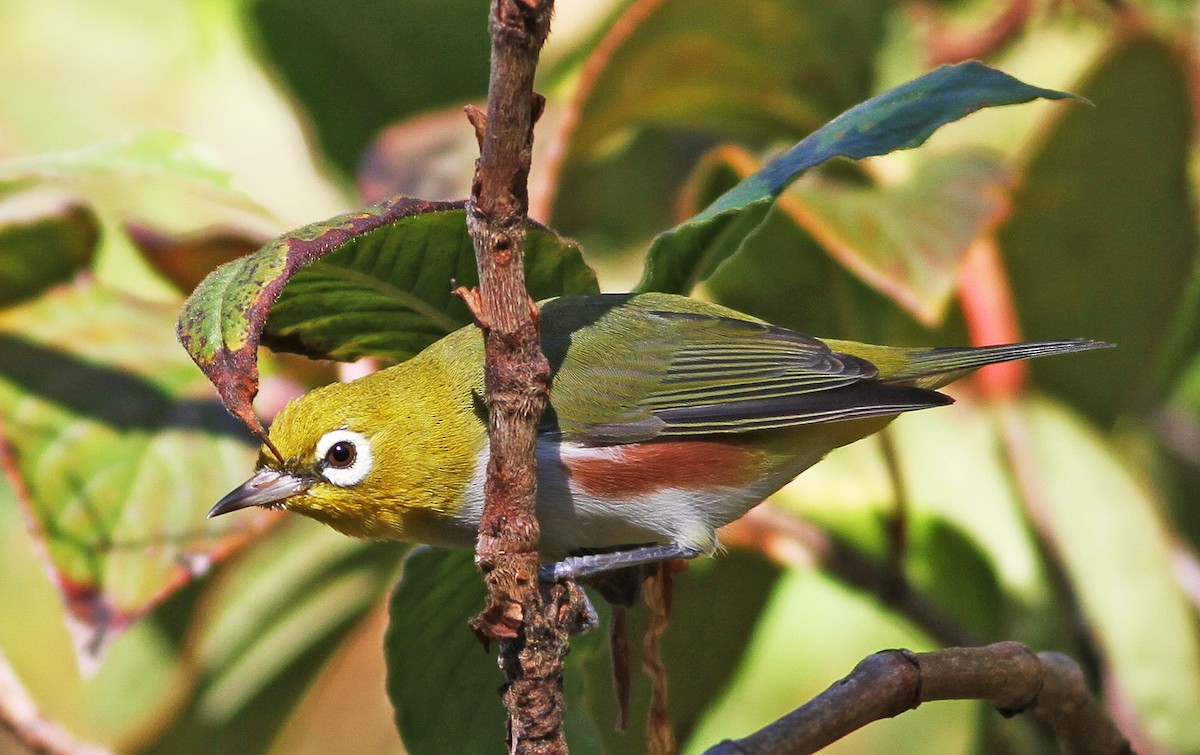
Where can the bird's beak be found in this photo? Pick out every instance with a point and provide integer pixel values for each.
(267, 486)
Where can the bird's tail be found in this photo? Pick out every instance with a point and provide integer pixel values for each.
(933, 368)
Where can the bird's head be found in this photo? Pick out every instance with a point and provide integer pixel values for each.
(378, 457)
(328, 468)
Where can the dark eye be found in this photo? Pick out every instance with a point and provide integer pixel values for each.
(340, 455)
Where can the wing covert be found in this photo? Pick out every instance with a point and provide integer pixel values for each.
(638, 370)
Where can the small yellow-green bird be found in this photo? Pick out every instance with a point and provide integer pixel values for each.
(668, 418)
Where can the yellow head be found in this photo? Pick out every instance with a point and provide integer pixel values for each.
(389, 455)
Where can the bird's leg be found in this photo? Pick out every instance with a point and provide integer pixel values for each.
(582, 567)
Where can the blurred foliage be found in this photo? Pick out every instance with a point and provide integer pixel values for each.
(143, 143)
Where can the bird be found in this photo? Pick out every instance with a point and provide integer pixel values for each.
(668, 418)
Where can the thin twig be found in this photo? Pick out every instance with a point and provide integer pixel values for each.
(1008, 675)
(20, 716)
(532, 629)
(897, 515)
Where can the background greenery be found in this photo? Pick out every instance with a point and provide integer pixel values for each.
(145, 142)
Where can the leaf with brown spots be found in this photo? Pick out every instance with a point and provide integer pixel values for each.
(371, 283)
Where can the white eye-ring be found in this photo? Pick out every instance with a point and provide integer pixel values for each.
(344, 457)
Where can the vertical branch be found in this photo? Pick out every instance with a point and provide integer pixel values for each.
(530, 630)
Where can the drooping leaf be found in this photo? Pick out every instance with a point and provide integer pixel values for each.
(907, 239)
(901, 118)
(381, 287)
(270, 623)
(388, 293)
(48, 247)
(1103, 237)
(441, 682)
(904, 238)
(118, 451)
(361, 65)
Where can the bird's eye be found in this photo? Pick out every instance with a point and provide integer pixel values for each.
(340, 455)
(343, 457)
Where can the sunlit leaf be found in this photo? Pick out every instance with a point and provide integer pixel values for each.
(671, 79)
(155, 153)
(268, 626)
(1118, 553)
(901, 118)
(907, 239)
(118, 450)
(45, 246)
(903, 237)
(160, 178)
(381, 287)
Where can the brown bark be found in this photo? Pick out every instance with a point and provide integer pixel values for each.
(531, 629)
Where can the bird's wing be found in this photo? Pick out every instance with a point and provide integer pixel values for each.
(648, 373)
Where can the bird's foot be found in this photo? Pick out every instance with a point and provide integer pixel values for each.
(591, 564)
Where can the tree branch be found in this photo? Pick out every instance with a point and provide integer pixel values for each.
(532, 629)
(1007, 675)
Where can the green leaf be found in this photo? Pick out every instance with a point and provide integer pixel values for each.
(812, 632)
(1119, 556)
(271, 621)
(119, 451)
(159, 179)
(907, 239)
(716, 606)
(50, 246)
(153, 154)
(901, 118)
(441, 682)
(955, 571)
(674, 77)
(443, 686)
(359, 65)
(1103, 238)
(663, 69)
(381, 287)
(387, 293)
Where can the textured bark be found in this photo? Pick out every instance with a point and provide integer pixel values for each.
(531, 627)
